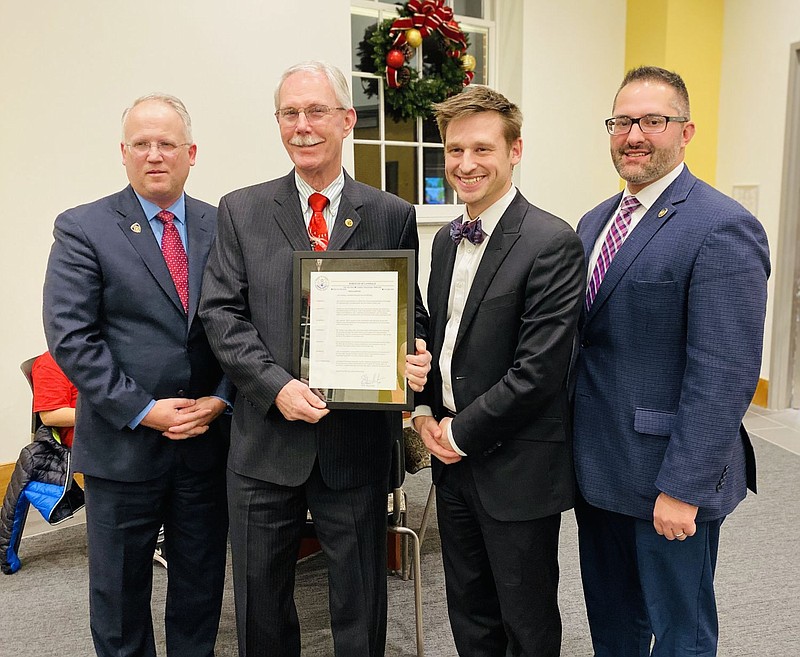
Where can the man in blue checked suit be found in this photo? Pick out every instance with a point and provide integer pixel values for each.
(671, 340)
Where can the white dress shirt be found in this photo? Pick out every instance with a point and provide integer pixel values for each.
(333, 192)
(647, 197)
(468, 259)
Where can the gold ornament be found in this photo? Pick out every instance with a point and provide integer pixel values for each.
(413, 37)
(468, 63)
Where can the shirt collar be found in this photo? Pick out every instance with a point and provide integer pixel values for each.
(491, 216)
(332, 191)
(178, 208)
(649, 195)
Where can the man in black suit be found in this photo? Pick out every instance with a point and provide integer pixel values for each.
(504, 295)
(289, 453)
(120, 315)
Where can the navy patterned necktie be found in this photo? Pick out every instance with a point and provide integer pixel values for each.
(469, 230)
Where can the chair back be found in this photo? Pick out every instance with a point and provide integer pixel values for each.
(27, 369)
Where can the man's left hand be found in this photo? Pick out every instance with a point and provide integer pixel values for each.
(189, 429)
(673, 518)
(418, 365)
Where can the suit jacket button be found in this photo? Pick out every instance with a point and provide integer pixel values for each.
(585, 343)
(181, 393)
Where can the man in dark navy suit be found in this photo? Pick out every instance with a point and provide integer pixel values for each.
(670, 355)
(120, 315)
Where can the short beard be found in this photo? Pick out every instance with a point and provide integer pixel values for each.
(662, 161)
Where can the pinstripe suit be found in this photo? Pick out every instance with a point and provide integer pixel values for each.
(338, 467)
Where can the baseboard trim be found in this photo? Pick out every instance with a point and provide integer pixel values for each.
(6, 470)
(762, 393)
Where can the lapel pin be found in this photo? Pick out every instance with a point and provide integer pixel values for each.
(662, 212)
(348, 222)
(136, 228)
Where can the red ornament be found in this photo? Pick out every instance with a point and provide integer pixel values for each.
(395, 58)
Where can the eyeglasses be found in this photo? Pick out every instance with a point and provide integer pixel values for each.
(649, 124)
(166, 148)
(314, 113)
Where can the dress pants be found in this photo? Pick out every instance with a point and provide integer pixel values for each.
(266, 525)
(501, 577)
(123, 520)
(639, 586)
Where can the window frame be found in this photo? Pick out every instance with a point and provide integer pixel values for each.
(381, 10)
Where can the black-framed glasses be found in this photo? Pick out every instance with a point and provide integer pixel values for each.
(164, 147)
(314, 113)
(649, 124)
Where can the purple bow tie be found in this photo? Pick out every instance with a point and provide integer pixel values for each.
(470, 230)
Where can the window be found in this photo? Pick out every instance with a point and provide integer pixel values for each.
(406, 158)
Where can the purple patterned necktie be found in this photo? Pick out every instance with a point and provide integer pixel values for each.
(175, 256)
(614, 239)
(470, 230)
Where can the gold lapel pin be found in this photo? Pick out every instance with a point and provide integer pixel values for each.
(348, 222)
(662, 212)
(136, 228)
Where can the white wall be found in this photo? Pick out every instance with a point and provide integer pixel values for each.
(68, 69)
(752, 117)
(561, 62)
(573, 61)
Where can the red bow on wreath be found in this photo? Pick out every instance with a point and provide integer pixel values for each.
(428, 16)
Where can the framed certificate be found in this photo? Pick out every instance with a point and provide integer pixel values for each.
(353, 320)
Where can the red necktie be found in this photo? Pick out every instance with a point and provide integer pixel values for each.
(614, 239)
(317, 228)
(175, 256)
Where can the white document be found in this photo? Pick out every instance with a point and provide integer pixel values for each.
(353, 317)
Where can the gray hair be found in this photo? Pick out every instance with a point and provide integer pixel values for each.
(174, 102)
(336, 78)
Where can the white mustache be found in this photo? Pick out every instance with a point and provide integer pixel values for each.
(305, 140)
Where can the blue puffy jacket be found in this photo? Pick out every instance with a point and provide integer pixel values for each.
(42, 477)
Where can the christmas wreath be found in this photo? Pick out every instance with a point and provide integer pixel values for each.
(388, 47)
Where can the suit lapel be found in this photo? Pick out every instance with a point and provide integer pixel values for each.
(199, 238)
(443, 260)
(136, 228)
(659, 213)
(347, 217)
(500, 243)
(288, 216)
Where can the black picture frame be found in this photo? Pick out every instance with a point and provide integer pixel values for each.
(403, 262)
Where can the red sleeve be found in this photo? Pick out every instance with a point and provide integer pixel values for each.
(51, 388)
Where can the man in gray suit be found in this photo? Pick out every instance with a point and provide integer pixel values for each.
(289, 453)
(120, 315)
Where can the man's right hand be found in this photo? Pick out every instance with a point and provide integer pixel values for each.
(435, 439)
(164, 415)
(296, 401)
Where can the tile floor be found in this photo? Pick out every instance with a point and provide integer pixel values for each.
(781, 428)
